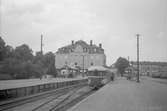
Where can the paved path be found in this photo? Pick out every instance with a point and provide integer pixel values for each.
(124, 95)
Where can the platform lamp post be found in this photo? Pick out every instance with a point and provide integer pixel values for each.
(137, 35)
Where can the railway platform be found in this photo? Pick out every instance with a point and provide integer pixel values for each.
(11, 84)
(126, 95)
(19, 88)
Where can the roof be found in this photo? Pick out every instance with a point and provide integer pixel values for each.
(98, 68)
(83, 44)
(80, 42)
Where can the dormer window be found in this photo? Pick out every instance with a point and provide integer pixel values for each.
(78, 49)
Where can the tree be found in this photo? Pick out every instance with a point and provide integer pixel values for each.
(121, 64)
(29, 70)
(2, 49)
(49, 63)
(23, 53)
(38, 58)
(20, 62)
(11, 66)
(9, 51)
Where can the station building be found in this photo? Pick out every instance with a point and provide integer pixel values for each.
(80, 54)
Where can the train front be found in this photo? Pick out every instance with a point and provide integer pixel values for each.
(98, 76)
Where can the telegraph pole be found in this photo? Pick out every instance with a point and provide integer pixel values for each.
(41, 44)
(83, 63)
(128, 59)
(137, 35)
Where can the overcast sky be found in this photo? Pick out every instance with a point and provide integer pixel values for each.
(113, 23)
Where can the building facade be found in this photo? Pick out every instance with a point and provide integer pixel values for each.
(80, 54)
(152, 68)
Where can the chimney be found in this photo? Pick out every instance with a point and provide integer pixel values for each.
(91, 42)
(72, 42)
(100, 45)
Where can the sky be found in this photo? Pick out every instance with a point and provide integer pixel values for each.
(114, 23)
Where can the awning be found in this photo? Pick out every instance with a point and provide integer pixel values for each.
(97, 68)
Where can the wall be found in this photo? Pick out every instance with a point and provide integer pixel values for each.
(72, 58)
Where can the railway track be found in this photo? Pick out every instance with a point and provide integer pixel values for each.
(65, 101)
(54, 101)
(21, 102)
(71, 101)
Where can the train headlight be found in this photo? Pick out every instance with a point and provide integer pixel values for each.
(104, 81)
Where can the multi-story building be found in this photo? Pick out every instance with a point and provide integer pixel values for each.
(80, 54)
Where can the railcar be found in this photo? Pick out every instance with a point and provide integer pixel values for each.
(99, 76)
(159, 74)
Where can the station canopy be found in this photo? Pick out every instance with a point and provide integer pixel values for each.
(97, 68)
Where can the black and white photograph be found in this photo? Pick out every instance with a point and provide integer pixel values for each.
(83, 55)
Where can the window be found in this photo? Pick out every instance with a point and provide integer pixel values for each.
(85, 49)
(91, 63)
(76, 63)
(95, 49)
(66, 57)
(65, 62)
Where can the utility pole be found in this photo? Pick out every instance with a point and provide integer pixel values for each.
(137, 35)
(83, 62)
(41, 44)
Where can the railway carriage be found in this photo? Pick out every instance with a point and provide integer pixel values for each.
(99, 76)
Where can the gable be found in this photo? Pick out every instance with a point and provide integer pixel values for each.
(78, 48)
